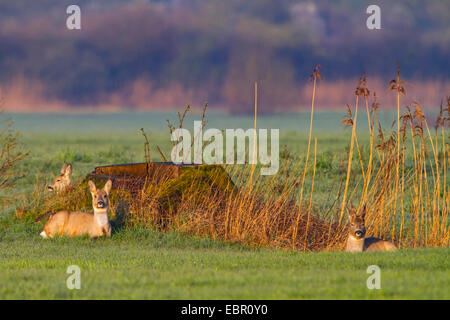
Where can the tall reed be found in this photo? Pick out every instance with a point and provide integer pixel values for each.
(403, 164)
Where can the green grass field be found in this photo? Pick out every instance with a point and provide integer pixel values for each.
(138, 263)
(142, 264)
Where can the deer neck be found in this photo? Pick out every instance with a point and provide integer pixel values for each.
(354, 244)
(101, 217)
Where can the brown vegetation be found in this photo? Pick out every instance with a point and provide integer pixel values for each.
(403, 184)
(10, 156)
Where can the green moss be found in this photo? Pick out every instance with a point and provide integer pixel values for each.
(196, 183)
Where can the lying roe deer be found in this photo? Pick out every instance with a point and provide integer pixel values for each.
(357, 241)
(82, 223)
(62, 181)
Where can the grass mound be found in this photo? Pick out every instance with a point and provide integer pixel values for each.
(200, 201)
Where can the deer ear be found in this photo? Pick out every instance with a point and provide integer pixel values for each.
(63, 168)
(68, 170)
(351, 210)
(108, 186)
(363, 212)
(92, 186)
(351, 213)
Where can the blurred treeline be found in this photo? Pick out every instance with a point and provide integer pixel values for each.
(157, 54)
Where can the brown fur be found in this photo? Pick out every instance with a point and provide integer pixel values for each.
(357, 241)
(62, 181)
(66, 223)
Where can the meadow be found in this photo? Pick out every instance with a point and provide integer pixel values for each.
(143, 264)
(148, 263)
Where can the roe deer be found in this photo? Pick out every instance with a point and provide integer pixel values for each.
(357, 241)
(62, 181)
(82, 223)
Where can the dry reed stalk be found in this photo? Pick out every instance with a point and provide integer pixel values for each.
(415, 204)
(254, 137)
(312, 191)
(163, 157)
(360, 159)
(444, 196)
(350, 156)
(396, 85)
(314, 77)
(146, 147)
(368, 175)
